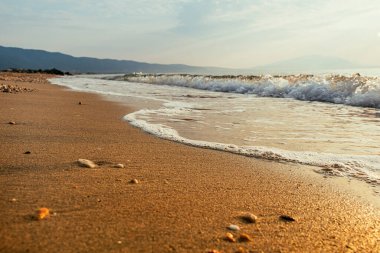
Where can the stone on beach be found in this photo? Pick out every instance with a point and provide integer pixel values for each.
(230, 237)
(27, 152)
(12, 123)
(249, 218)
(287, 218)
(242, 250)
(42, 213)
(233, 227)
(134, 181)
(86, 163)
(7, 88)
(213, 251)
(119, 165)
(245, 238)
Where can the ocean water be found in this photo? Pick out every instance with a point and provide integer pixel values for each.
(328, 121)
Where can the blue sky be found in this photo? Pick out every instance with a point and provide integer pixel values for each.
(230, 33)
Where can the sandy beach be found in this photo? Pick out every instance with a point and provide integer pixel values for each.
(185, 198)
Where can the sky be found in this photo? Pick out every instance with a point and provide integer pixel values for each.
(229, 33)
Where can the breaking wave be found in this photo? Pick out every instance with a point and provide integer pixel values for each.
(352, 90)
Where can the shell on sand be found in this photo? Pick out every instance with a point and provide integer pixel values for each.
(86, 163)
(119, 165)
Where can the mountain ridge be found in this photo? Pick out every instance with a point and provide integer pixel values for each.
(13, 57)
(19, 58)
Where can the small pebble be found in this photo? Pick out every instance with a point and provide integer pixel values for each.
(12, 123)
(230, 237)
(119, 166)
(86, 163)
(79, 103)
(134, 181)
(42, 213)
(13, 200)
(245, 238)
(213, 251)
(27, 152)
(287, 218)
(249, 218)
(119, 242)
(241, 250)
(233, 227)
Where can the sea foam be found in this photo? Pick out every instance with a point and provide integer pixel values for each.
(352, 90)
(361, 167)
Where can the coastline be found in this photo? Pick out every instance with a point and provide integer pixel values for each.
(185, 199)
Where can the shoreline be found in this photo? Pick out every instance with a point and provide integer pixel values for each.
(185, 199)
(220, 127)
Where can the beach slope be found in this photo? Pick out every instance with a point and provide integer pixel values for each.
(183, 198)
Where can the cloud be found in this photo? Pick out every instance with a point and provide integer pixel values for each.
(232, 33)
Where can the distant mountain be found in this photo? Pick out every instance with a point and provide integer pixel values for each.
(308, 64)
(11, 57)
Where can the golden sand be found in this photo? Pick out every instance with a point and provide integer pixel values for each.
(185, 197)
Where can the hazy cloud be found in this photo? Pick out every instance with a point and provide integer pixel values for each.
(234, 33)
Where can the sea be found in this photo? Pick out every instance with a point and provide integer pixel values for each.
(328, 120)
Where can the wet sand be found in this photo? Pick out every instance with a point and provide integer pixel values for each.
(184, 201)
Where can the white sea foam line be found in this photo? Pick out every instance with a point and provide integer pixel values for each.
(341, 165)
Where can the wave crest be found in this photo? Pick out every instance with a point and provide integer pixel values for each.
(352, 90)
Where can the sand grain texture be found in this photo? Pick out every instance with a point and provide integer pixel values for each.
(185, 199)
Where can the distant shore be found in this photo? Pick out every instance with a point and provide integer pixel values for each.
(182, 200)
